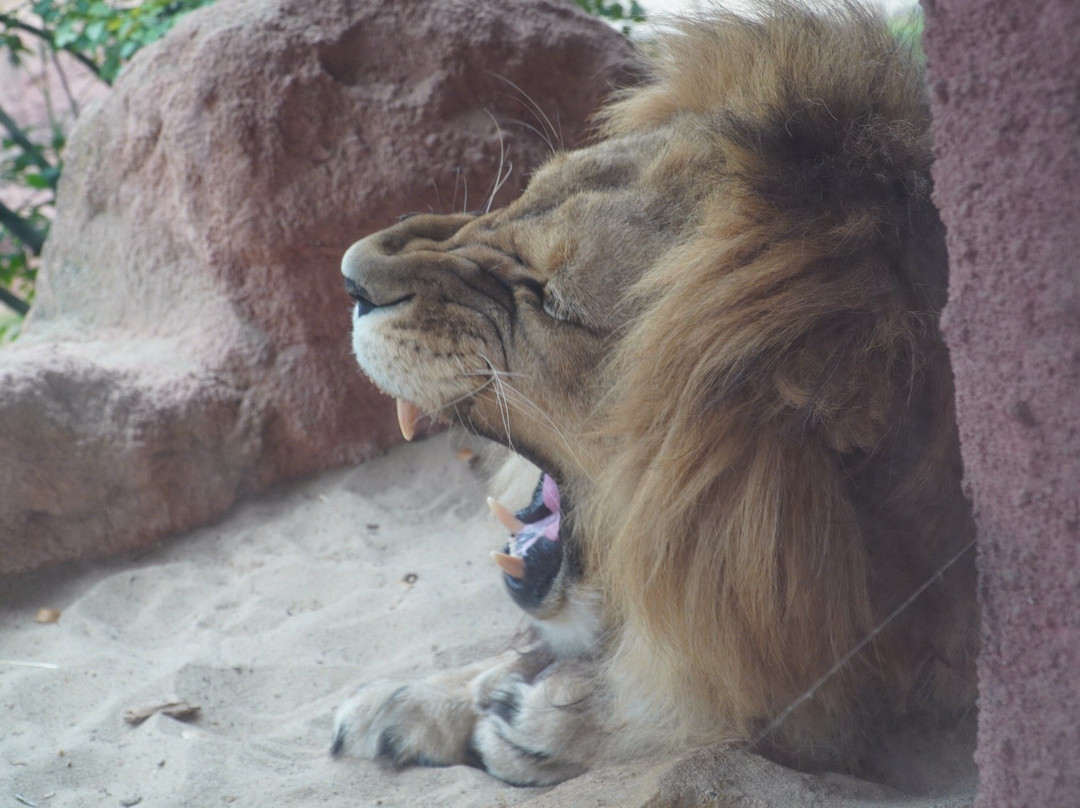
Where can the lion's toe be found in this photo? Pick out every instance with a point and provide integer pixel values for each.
(402, 725)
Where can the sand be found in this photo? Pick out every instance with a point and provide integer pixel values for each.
(266, 622)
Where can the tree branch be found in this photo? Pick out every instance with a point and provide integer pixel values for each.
(22, 229)
(86, 61)
(22, 141)
(17, 304)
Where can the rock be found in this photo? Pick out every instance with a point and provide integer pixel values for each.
(728, 778)
(1007, 182)
(189, 342)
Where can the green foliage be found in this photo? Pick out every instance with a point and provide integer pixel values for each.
(908, 28)
(102, 35)
(613, 11)
(108, 32)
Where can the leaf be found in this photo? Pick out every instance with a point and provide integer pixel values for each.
(65, 34)
(95, 31)
(101, 33)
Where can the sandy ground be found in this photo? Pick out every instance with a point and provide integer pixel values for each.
(266, 621)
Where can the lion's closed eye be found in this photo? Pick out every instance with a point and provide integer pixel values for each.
(555, 306)
(548, 299)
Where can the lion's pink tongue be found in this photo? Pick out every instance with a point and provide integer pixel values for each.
(408, 414)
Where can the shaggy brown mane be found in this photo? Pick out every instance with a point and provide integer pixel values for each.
(781, 411)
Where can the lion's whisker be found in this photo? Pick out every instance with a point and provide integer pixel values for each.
(499, 180)
(542, 135)
(537, 111)
(499, 185)
(537, 414)
(501, 401)
(466, 396)
(438, 197)
(485, 373)
(457, 180)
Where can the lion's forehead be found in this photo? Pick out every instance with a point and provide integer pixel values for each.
(618, 164)
(592, 219)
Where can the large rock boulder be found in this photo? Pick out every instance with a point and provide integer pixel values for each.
(1006, 104)
(189, 342)
(729, 778)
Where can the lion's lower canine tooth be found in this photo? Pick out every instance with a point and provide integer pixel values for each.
(511, 565)
(407, 416)
(505, 516)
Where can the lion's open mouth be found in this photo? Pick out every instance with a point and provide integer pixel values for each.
(532, 558)
(534, 553)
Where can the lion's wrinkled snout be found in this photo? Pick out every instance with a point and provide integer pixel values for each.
(419, 257)
(397, 244)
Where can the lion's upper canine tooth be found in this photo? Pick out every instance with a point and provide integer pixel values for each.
(505, 516)
(511, 565)
(407, 416)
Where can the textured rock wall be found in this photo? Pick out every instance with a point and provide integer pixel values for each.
(189, 341)
(1006, 101)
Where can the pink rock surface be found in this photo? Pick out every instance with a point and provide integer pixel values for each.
(1007, 127)
(189, 342)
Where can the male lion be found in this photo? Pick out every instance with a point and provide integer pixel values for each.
(715, 331)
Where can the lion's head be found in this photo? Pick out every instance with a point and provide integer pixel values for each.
(716, 329)
(501, 321)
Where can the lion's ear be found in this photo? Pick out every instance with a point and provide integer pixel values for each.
(839, 385)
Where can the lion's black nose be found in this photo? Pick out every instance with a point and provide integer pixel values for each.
(360, 296)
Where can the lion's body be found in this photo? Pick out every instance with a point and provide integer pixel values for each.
(717, 329)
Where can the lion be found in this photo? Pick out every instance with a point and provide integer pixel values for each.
(711, 340)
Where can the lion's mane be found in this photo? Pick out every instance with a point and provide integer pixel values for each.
(783, 471)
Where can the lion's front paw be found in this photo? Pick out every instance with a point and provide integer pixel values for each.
(537, 731)
(427, 723)
(521, 718)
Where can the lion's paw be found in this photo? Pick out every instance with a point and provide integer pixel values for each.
(536, 732)
(523, 721)
(427, 723)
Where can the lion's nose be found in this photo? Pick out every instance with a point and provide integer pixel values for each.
(359, 255)
(372, 275)
(359, 295)
(390, 266)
